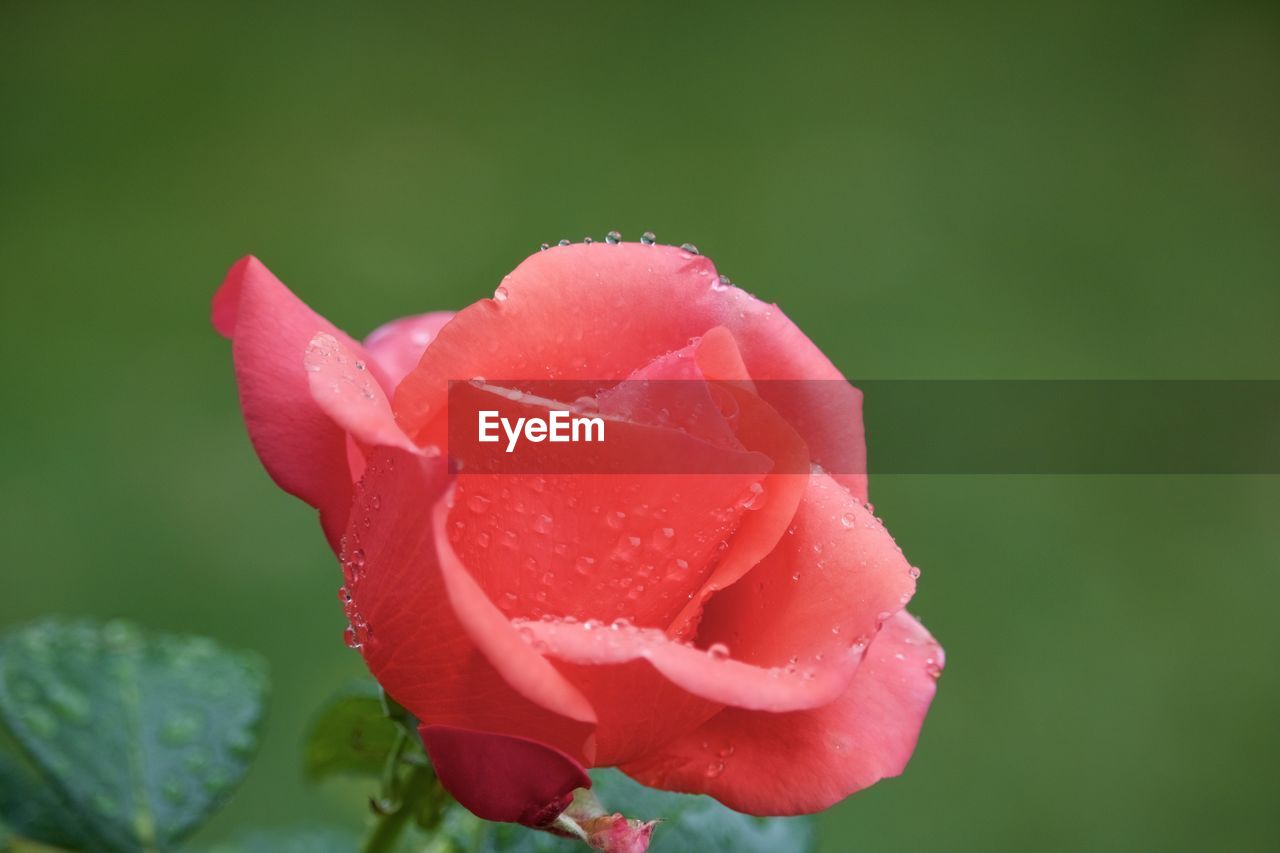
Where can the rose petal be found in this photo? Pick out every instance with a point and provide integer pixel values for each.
(414, 643)
(301, 447)
(343, 386)
(503, 778)
(397, 346)
(819, 598)
(788, 636)
(805, 761)
(673, 389)
(762, 430)
(525, 670)
(600, 545)
(632, 303)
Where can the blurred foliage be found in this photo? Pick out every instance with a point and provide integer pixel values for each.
(351, 734)
(133, 738)
(985, 190)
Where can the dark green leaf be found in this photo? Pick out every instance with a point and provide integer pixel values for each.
(30, 808)
(142, 735)
(352, 735)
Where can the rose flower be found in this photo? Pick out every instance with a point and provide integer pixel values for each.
(741, 635)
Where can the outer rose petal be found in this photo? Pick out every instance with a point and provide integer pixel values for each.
(303, 450)
(398, 346)
(415, 645)
(781, 764)
(510, 779)
(624, 295)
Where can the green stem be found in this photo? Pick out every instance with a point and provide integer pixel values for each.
(417, 788)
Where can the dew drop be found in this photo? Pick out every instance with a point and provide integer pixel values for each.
(755, 497)
(721, 284)
(690, 248)
(848, 520)
(718, 651)
(542, 247)
(477, 503)
(584, 564)
(563, 243)
(543, 523)
(714, 769)
(648, 238)
(613, 238)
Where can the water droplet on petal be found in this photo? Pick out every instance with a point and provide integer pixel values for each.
(613, 238)
(564, 243)
(543, 247)
(718, 651)
(500, 295)
(755, 497)
(663, 538)
(648, 238)
(690, 248)
(848, 520)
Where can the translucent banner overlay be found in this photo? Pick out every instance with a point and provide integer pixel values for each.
(911, 426)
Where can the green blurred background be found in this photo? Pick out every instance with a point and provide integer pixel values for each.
(937, 191)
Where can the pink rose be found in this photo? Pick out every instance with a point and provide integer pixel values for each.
(754, 650)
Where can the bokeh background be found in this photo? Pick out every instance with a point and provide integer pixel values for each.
(1068, 189)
